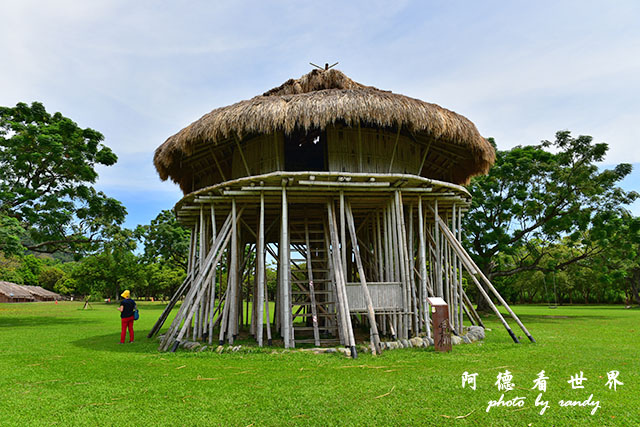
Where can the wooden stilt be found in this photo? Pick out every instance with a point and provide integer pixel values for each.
(460, 290)
(341, 282)
(286, 319)
(423, 266)
(260, 273)
(412, 281)
(375, 337)
(404, 262)
(232, 277)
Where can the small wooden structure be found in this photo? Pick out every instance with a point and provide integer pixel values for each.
(355, 193)
(10, 292)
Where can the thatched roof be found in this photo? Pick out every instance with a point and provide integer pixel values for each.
(317, 100)
(41, 292)
(14, 291)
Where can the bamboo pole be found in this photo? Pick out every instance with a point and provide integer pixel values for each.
(341, 282)
(404, 261)
(215, 159)
(460, 290)
(473, 270)
(395, 147)
(212, 258)
(379, 246)
(286, 320)
(423, 266)
(212, 300)
(195, 283)
(266, 302)
(454, 274)
(244, 161)
(232, 277)
(343, 231)
(371, 314)
(260, 273)
(172, 302)
(198, 298)
(412, 281)
(190, 260)
(438, 264)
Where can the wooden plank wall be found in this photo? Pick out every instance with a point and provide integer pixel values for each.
(377, 151)
(260, 154)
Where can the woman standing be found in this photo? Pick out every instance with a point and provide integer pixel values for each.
(127, 306)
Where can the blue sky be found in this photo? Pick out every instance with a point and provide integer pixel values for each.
(140, 71)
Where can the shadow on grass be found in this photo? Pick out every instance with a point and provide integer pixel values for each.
(40, 321)
(111, 342)
(550, 318)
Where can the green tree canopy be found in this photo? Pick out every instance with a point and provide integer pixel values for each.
(534, 196)
(165, 240)
(47, 168)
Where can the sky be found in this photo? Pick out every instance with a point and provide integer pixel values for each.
(140, 71)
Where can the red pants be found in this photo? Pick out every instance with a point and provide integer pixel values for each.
(127, 322)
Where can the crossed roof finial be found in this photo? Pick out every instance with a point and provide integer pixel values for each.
(326, 66)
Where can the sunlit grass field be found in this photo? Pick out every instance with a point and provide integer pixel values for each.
(61, 365)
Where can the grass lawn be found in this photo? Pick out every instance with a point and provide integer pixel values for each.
(63, 365)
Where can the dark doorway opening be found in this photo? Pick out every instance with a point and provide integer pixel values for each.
(305, 150)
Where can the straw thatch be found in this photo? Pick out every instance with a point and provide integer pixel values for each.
(317, 100)
(42, 294)
(10, 292)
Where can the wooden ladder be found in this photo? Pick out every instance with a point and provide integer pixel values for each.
(312, 299)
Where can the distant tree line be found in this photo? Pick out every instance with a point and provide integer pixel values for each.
(546, 224)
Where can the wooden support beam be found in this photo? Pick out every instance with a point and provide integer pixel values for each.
(244, 161)
(371, 314)
(203, 275)
(215, 159)
(470, 265)
(341, 281)
(260, 273)
(285, 292)
(395, 148)
(172, 302)
(232, 276)
(424, 157)
(422, 259)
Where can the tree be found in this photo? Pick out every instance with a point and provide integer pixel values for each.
(114, 268)
(165, 240)
(536, 195)
(163, 280)
(11, 235)
(47, 166)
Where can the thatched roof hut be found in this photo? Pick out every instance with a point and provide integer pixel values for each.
(362, 183)
(10, 292)
(202, 154)
(42, 294)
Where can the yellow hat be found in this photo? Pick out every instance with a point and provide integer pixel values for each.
(125, 294)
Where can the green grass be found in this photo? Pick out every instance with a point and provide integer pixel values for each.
(62, 365)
